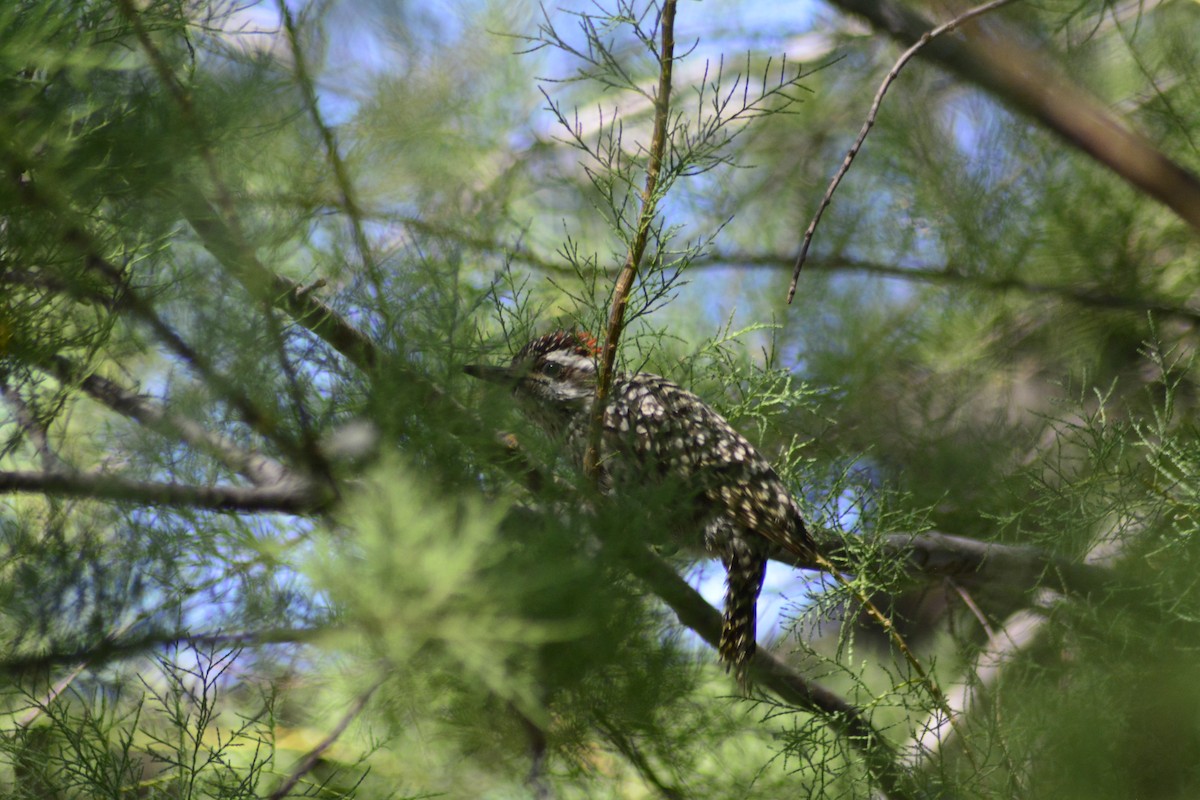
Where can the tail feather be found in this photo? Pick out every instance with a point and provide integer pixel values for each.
(745, 569)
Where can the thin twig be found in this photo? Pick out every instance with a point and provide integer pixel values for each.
(1030, 84)
(885, 622)
(637, 247)
(1003, 647)
(313, 756)
(973, 607)
(870, 123)
(341, 174)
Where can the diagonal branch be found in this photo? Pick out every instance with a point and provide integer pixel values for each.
(1025, 80)
(34, 430)
(313, 756)
(768, 671)
(127, 299)
(894, 73)
(308, 311)
(260, 469)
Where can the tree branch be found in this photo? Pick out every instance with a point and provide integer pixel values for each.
(637, 247)
(770, 672)
(341, 174)
(313, 756)
(127, 299)
(278, 499)
(1025, 80)
(926, 37)
(1082, 296)
(112, 648)
(1019, 633)
(934, 555)
(261, 470)
(34, 430)
(297, 300)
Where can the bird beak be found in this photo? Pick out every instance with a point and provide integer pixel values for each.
(502, 375)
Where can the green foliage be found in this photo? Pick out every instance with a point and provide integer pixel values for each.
(244, 554)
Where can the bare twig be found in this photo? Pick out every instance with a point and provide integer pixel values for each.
(637, 247)
(341, 175)
(870, 123)
(284, 500)
(313, 756)
(1027, 81)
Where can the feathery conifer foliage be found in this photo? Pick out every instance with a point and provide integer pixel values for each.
(260, 536)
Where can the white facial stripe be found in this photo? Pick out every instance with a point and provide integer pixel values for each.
(571, 361)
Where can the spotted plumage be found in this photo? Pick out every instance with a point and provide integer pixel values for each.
(655, 429)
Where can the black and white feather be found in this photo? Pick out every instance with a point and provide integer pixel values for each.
(739, 510)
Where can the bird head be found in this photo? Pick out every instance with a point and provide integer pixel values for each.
(556, 371)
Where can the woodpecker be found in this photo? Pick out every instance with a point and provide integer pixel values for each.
(737, 508)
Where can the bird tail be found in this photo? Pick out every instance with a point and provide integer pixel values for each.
(745, 569)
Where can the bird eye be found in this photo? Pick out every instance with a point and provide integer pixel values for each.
(552, 369)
